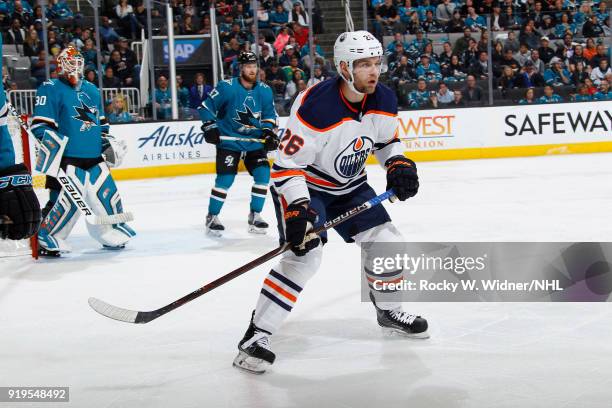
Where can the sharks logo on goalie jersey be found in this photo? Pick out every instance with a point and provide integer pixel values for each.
(87, 115)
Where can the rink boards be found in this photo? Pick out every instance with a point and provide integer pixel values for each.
(161, 149)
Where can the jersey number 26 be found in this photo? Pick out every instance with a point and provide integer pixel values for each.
(292, 145)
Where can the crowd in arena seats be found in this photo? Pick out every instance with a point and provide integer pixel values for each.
(557, 49)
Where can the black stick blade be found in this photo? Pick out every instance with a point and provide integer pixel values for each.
(114, 312)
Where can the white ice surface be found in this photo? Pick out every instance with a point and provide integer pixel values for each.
(330, 352)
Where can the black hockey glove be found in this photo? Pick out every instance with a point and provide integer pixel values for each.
(298, 222)
(19, 207)
(211, 132)
(402, 177)
(270, 140)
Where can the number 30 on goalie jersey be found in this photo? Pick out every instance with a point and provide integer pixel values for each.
(327, 141)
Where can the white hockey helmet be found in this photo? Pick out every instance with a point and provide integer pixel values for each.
(354, 45)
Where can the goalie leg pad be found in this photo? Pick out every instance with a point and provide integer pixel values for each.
(104, 199)
(63, 216)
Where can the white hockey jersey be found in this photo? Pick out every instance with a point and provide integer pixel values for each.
(327, 141)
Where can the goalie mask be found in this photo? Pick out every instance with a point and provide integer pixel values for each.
(70, 65)
(352, 46)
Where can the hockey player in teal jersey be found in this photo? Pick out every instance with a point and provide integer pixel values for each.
(239, 118)
(19, 207)
(70, 124)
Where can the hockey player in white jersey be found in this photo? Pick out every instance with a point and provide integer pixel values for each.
(318, 174)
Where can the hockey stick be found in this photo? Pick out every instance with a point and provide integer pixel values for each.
(133, 316)
(71, 189)
(241, 139)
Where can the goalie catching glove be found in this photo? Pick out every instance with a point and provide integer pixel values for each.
(113, 150)
(299, 220)
(402, 177)
(19, 208)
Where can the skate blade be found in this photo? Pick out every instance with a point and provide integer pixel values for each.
(113, 248)
(214, 233)
(259, 231)
(393, 332)
(250, 364)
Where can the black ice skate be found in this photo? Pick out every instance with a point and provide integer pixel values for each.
(254, 354)
(398, 321)
(213, 225)
(257, 225)
(46, 253)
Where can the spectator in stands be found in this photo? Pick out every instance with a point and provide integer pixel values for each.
(119, 113)
(430, 25)
(599, 73)
(472, 93)
(400, 77)
(580, 73)
(483, 43)
(423, 8)
(265, 59)
(463, 43)
(121, 69)
(198, 91)
(292, 88)
(457, 101)
(510, 20)
(186, 26)
(107, 32)
(588, 82)
(480, 68)
(509, 80)
(509, 60)
(405, 12)
(395, 56)
(276, 77)
(603, 14)
(59, 10)
(549, 96)
(38, 69)
(387, 19)
(419, 98)
(282, 38)
(530, 77)
(263, 17)
(90, 55)
(529, 37)
(456, 23)
(529, 98)
(601, 54)
(582, 94)
(163, 99)
(577, 56)
(545, 51)
(523, 55)
(15, 34)
(455, 70)
(428, 50)
(90, 75)
(444, 11)
(511, 43)
(414, 24)
(498, 22)
(279, 18)
(182, 93)
(604, 93)
(557, 75)
(590, 50)
(32, 44)
(428, 70)
(318, 76)
(188, 9)
(298, 14)
(444, 95)
(231, 51)
(418, 44)
(593, 28)
(24, 15)
(398, 38)
(498, 52)
(446, 54)
(127, 21)
(563, 26)
(548, 26)
(470, 56)
(474, 21)
(300, 33)
(293, 67)
(109, 80)
(285, 58)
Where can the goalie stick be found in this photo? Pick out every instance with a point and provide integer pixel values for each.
(133, 316)
(73, 192)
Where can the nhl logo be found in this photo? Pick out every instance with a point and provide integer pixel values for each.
(351, 160)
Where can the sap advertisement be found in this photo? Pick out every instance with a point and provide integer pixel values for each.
(189, 50)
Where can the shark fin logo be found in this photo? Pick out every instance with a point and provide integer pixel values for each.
(86, 115)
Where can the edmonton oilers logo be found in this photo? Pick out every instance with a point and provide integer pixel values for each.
(351, 160)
